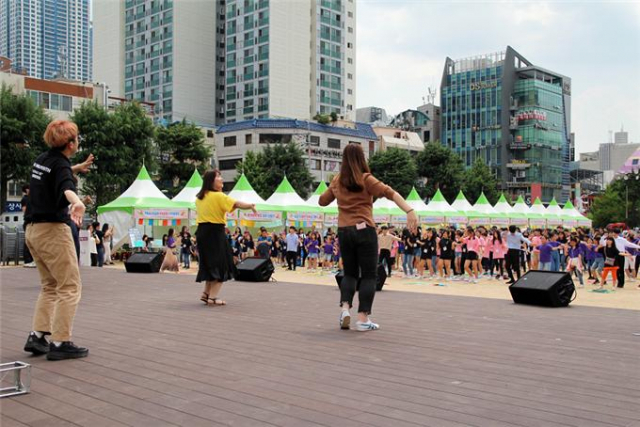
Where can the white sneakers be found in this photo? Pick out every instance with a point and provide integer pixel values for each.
(32, 264)
(345, 323)
(345, 319)
(366, 326)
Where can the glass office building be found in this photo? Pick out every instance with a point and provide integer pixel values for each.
(513, 115)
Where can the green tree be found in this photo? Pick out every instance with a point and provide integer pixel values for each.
(611, 205)
(265, 170)
(323, 119)
(442, 168)
(395, 168)
(480, 178)
(121, 142)
(22, 127)
(181, 147)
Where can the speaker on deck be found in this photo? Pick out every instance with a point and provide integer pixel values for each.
(381, 277)
(546, 288)
(255, 269)
(144, 262)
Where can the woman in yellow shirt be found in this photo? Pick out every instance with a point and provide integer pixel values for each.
(215, 257)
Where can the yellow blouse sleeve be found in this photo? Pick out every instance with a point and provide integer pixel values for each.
(227, 203)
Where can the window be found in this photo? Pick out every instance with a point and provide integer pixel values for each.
(247, 139)
(350, 30)
(333, 143)
(314, 164)
(349, 92)
(209, 133)
(229, 141)
(314, 140)
(349, 45)
(350, 76)
(274, 138)
(229, 164)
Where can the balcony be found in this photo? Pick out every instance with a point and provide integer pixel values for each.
(168, 79)
(331, 101)
(248, 59)
(263, 39)
(231, 14)
(262, 4)
(139, 86)
(154, 97)
(329, 69)
(263, 56)
(155, 68)
(129, 74)
(263, 73)
(329, 21)
(166, 95)
(247, 93)
(248, 76)
(231, 96)
(248, 25)
(167, 64)
(154, 82)
(155, 54)
(168, 20)
(129, 3)
(330, 5)
(231, 64)
(249, 42)
(231, 80)
(154, 10)
(139, 58)
(249, 8)
(263, 90)
(155, 39)
(262, 108)
(331, 53)
(263, 22)
(231, 113)
(231, 47)
(329, 85)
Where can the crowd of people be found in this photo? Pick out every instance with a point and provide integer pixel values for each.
(55, 212)
(448, 253)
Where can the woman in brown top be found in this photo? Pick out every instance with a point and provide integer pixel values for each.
(355, 188)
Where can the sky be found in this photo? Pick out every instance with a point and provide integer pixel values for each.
(402, 44)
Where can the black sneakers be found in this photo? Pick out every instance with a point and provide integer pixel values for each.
(66, 350)
(36, 345)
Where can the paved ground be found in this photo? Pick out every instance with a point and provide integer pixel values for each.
(275, 356)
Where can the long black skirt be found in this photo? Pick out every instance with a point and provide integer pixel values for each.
(214, 254)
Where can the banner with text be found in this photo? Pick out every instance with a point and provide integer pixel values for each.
(161, 213)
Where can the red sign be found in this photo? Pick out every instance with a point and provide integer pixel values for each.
(536, 191)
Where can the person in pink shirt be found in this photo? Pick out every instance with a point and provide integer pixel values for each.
(499, 249)
(535, 254)
(473, 247)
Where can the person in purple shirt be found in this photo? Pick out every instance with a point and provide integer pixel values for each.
(546, 248)
(598, 260)
(327, 253)
(311, 244)
(589, 255)
(575, 254)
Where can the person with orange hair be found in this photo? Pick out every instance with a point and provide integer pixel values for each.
(54, 200)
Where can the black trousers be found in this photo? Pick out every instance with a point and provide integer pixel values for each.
(513, 263)
(385, 255)
(359, 250)
(620, 264)
(291, 259)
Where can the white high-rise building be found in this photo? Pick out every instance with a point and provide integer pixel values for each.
(621, 137)
(165, 52)
(47, 38)
(290, 59)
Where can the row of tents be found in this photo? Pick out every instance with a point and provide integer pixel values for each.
(144, 205)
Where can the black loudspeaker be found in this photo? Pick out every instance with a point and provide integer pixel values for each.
(144, 262)
(255, 270)
(546, 288)
(381, 277)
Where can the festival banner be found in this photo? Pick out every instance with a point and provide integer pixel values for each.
(398, 219)
(232, 215)
(305, 216)
(538, 222)
(164, 214)
(261, 216)
(458, 220)
(303, 224)
(554, 222)
(570, 223)
(380, 218)
(330, 219)
(500, 222)
(431, 220)
(478, 221)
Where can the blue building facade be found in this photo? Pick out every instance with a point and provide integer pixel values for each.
(47, 38)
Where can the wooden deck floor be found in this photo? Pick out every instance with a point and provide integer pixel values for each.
(275, 356)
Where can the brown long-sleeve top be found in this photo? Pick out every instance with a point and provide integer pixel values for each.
(355, 208)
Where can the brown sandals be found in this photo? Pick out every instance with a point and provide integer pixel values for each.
(216, 301)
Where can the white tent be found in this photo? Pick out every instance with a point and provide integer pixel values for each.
(187, 197)
(141, 201)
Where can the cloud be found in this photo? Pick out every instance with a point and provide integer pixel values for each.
(402, 45)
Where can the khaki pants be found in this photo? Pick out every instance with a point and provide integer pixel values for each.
(53, 250)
